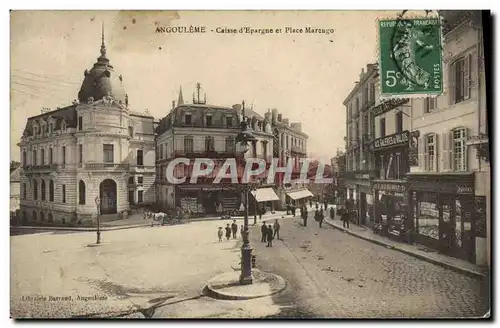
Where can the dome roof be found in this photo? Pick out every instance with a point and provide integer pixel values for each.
(102, 81)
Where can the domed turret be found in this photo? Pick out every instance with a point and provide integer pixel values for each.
(102, 80)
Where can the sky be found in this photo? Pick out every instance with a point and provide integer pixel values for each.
(305, 76)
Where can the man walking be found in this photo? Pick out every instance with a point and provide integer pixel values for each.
(332, 213)
(304, 216)
(234, 228)
(228, 232)
(345, 218)
(277, 229)
(321, 217)
(263, 230)
(293, 209)
(269, 236)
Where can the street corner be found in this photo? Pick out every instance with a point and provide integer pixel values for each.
(226, 286)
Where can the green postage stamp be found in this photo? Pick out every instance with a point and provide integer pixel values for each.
(410, 57)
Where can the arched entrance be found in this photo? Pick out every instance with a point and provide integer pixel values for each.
(107, 193)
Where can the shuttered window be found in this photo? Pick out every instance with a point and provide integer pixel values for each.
(459, 137)
(460, 78)
(430, 154)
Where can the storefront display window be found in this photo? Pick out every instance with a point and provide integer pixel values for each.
(428, 216)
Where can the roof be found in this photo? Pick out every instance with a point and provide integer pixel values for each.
(67, 114)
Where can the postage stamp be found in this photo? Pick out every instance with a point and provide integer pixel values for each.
(410, 57)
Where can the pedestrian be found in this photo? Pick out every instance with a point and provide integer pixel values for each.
(345, 218)
(304, 217)
(317, 206)
(228, 232)
(293, 210)
(277, 229)
(263, 230)
(287, 209)
(269, 236)
(220, 233)
(241, 231)
(321, 218)
(326, 205)
(310, 202)
(332, 213)
(234, 228)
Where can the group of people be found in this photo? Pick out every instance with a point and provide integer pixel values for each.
(269, 232)
(291, 209)
(230, 230)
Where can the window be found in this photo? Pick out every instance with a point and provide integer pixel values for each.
(460, 75)
(357, 105)
(81, 192)
(254, 148)
(64, 154)
(430, 104)
(63, 198)
(131, 196)
(230, 145)
(161, 151)
(372, 92)
(24, 158)
(80, 123)
(35, 131)
(229, 121)
(139, 196)
(209, 143)
(365, 95)
(130, 132)
(140, 180)
(108, 151)
(209, 120)
(166, 150)
(34, 215)
(187, 119)
(51, 155)
(80, 153)
(365, 124)
(42, 156)
(24, 190)
(349, 111)
(430, 152)
(131, 180)
(51, 128)
(51, 191)
(399, 122)
(397, 168)
(140, 159)
(43, 189)
(188, 144)
(382, 127)
(459, 150)
(264, 149)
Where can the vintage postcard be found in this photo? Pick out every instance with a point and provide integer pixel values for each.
(250, 164)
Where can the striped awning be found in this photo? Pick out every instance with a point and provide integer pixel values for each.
(299, 194)
(264, 195)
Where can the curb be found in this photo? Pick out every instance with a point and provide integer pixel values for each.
(210, 291)
(455, 268)
(48, 228)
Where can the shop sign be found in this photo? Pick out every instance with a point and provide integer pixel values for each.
(393, 140)
(464, 189)
(388, 105)
(396, 187)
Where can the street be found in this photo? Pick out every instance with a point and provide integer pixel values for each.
(328, 274)
(333, 274)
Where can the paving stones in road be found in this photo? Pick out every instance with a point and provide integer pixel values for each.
(333, 274)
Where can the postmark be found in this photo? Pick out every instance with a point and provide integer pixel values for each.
(410, 57)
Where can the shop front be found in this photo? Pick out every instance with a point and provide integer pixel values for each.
(207, 199)
(298, 197)
(444, 213)
(391, 209)
(265, 198)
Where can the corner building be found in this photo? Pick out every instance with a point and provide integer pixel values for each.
(95, 148)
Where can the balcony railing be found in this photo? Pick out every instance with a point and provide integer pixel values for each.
(106, 166)
(204, 154)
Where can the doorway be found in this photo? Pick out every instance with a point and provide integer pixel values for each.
(108, 195)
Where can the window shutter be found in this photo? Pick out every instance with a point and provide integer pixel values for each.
(467, 76)
(449, 150)
(421, 150)
(451, 84)
(466, 150)
(436, 153)
(445, 159)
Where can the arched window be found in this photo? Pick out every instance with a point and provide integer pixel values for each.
(81, 192)
(43, 189)
(35, 190)
(51, 191)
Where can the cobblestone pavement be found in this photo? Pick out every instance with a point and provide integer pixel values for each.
(333, 274)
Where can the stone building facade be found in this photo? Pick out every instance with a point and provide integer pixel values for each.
(94, 151)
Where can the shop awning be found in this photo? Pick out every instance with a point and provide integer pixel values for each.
(300, 194)
(265, 195)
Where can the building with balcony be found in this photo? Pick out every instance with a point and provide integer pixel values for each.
(95, 150)
(200, 130)
(450, 181)
(289, 142)
(360, 132)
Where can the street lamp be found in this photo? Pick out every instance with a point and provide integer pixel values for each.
(98, 204)
(243, 138)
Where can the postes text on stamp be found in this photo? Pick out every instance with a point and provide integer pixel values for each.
(410, 57)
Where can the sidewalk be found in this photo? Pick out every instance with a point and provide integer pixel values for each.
(417, 251)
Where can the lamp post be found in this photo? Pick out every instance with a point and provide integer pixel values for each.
(243, 138)
(98, 204)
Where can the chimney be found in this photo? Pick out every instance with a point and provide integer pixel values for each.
(362, 73)
(267, 117)
(274, 115)
(280, 117)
